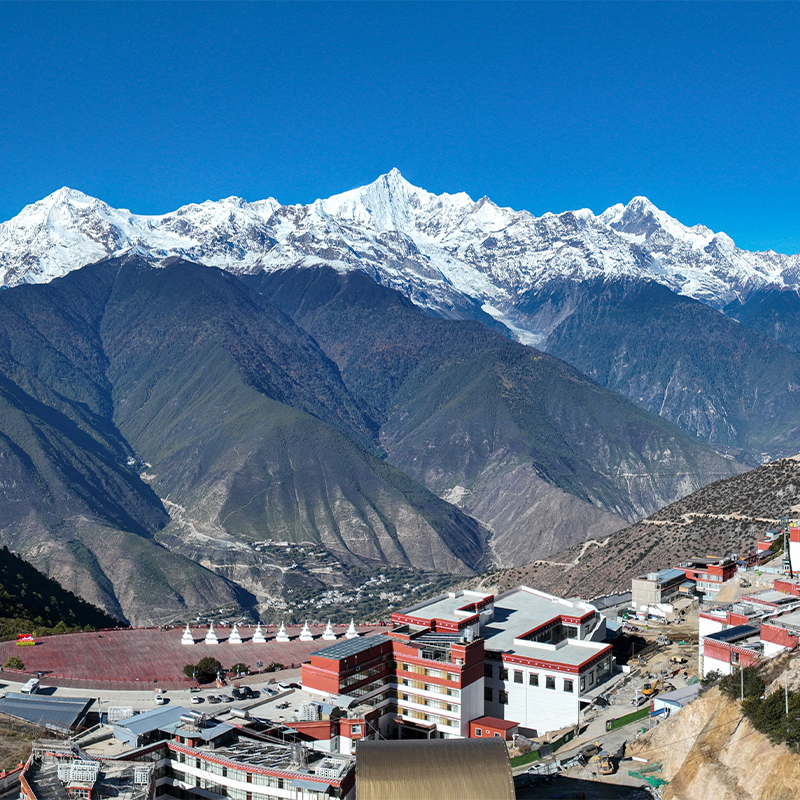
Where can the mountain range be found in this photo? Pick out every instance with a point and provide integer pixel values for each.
(176, 438)
(235, 401)
(585, 287)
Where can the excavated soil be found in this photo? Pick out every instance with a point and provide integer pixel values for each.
(709, 750)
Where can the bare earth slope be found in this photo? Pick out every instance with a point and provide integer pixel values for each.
(721, 518)
(709, 750)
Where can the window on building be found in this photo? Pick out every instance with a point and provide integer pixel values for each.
(503, 674)
(488, 671)
(549, 682)
(583, 683)
(567, 685)
(487, 695)
(478, 732)
(517, 676)
(503, 698)
(533, 678)
(497, 736)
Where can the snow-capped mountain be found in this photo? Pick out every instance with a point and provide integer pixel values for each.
(446, 252)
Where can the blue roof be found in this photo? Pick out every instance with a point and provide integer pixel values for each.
(731, 634)
(141, 724)
(49, 711)
(665, 575)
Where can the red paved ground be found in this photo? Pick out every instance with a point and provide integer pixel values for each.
(122, 659)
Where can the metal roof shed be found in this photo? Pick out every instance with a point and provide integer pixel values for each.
(434, 769)
(56, 713)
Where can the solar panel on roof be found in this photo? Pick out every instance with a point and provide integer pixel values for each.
(348, 647)
(736, 632)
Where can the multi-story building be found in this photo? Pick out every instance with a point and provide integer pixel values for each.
(656, 588)
(709, 573)
(764, 624)
(176, 754)
(524, 656)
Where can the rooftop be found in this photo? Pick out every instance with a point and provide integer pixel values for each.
(735, 634)
(520, 610)
(663, 575)
(58, 713)
(50, 771)
(284, 758)
(446, 606)
(349, 647)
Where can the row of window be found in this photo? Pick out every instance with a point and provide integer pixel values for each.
(550, 683)
(431, 673)
(519, 677)
(430, 687)
(427, 701)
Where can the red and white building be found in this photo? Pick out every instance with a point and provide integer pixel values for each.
(709, 573)
(524, 656)
(763, 625)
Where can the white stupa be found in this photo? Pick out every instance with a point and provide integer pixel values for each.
(235, 637)
(352, 633)
(258, 636)
(211, 637)
(187, 637)
(282, 635)
(305, 634)
(329, 635)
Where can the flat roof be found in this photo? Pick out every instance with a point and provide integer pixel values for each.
(792, 618)
(771, 596)
(46, 710)
(445, 606)
(664, 575)
(520, 610)
(736, 632)
(349, 647)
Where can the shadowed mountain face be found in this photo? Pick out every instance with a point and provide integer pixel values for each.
(517, 438)
(719, 380)
(123, 384)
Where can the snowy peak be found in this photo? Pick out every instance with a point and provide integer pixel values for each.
(446, 252)
(640, 218)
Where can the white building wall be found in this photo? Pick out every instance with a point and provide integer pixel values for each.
(705, 627)
(773, 649)
(471, 704)
(534, 707)
(715, 665)
(794, 555)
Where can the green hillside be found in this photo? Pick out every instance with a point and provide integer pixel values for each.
(530, 446)
(31, 601)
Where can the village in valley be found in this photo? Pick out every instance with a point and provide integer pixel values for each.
(567, 688)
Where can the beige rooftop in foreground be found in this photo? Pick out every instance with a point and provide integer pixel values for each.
(434, 769)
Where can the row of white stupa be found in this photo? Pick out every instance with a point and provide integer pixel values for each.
(259, 638)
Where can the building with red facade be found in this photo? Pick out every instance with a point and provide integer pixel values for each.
(524, 655)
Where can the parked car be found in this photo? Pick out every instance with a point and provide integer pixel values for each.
(196, 699)
(214, 699)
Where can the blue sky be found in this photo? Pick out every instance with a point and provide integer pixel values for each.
(544, 106)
